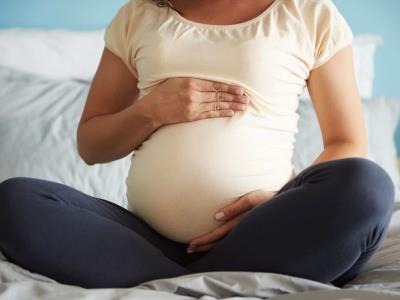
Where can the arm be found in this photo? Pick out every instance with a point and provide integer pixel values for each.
(334, 94)
(113, 123)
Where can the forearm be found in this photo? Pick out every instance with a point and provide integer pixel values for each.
(340, 150)
(110, 137)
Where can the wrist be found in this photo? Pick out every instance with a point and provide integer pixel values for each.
(146, 112)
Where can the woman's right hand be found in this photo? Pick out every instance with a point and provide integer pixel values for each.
(186, 99)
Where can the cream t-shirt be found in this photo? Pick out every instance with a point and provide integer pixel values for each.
(185, 172)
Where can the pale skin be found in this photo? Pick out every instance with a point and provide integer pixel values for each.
(112, 109)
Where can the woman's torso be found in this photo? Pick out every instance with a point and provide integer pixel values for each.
(183, 173)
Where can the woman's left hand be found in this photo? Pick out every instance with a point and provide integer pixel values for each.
(231, 216)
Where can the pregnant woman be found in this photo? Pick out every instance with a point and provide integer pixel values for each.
(203, 95)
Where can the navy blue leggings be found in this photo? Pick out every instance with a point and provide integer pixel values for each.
(324, 225)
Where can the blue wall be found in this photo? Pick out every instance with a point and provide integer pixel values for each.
(71, 14)
(380, 17)
(364, 16)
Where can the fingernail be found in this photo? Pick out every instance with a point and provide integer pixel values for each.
(219, 216)
(240, 90)
(188, 250)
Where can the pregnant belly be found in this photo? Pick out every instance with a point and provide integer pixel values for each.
(185, 172)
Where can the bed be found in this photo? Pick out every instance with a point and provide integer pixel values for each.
(40, 108)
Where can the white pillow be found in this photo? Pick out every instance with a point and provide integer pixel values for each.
(56, 53)
(38, 122)
(364, 49)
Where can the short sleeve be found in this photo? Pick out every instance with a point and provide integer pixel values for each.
(117, 36)
(332, 32)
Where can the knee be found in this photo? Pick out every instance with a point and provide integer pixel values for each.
(368, 188)
(11, 191)
(11, 206)
(13, 184)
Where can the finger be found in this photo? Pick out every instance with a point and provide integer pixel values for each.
(209, 106)
(202, 240)
(216, 114)
(211, 85)
(209, 237)
(202, 248)
(215, 234)
(240, 206)
(223, 96)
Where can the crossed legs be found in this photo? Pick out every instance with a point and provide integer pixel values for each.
(324, 224)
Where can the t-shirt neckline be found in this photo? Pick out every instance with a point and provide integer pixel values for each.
(221, 26)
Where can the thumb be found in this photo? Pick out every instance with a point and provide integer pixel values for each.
(233, 209)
